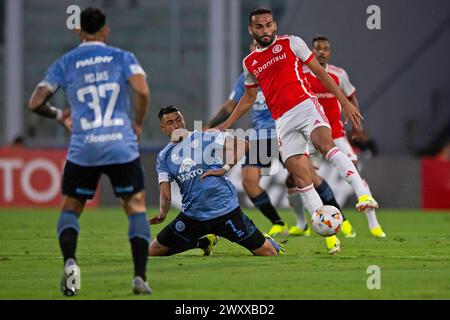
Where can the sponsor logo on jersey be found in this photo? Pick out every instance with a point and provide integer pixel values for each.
(257, 71)
(327, 95)
(187, 170)
(101, 138)
(93, 60)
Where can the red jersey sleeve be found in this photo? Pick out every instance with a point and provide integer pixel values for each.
(300, 48)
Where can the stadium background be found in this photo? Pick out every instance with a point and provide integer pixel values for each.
(192, 52)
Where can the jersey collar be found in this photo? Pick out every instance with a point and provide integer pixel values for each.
(92, 43)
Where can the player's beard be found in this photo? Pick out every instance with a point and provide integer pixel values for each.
(264, 43)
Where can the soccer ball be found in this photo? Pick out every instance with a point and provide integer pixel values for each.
(327, 221)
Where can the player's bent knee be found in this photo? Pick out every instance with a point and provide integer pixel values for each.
(290, 183)
(134, 203)
(73, 204)
(156, 249)
(322, 141)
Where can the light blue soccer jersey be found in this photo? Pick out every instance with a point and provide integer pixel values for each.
(185, 162)
(261, 116)
(94, 77)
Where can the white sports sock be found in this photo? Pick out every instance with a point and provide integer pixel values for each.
(370, 213)
(347, 171)
(310, 199)
(371, 218)
(295, 201)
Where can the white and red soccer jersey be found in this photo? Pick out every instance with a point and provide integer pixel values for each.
(277, 69)
(329, 102)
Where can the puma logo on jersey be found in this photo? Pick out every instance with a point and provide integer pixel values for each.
(93, 60)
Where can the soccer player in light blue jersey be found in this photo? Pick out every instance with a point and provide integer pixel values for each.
(198, 162)
(104, 140)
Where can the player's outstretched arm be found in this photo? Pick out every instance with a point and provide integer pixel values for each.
(233, 151)
(39, 103)
(165, 198)
(141, 101)
(246, 102)
(350, 111)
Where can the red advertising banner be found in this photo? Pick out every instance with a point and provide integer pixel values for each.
(435, 183)
(32, 178)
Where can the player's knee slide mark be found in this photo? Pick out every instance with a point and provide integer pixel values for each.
(68, 219)
(138, 226)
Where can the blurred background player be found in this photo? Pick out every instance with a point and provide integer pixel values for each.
(104, 138)
(276, 66)
(321, 49)
(209, 200)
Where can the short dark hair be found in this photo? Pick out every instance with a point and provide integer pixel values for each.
(166, 110)
(92, 20)
(258, 11)
(319, 38)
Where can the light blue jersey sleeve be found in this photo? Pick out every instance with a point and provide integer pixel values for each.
(131, 65)
(54, 77)
(163, 172)
(239, 88)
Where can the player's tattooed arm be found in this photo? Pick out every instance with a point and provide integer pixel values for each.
(224, 112)
(245, 104)
(165, 199)
(39, 104)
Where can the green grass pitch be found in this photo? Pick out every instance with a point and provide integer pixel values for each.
(414, 261)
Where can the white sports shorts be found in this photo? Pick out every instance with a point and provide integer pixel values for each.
(295, 126)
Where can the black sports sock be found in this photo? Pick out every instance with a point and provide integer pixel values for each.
(262, 202)
(327, 196)
(68, 243)
(139, 249)
(201, 243)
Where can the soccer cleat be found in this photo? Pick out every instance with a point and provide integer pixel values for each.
(333, 244)
(366, 202)
(347, 230)
(378, 232)
(70, 281)
(278, 246)
(297, 232)
(278, 229)
(213, 239)
(140, 286)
